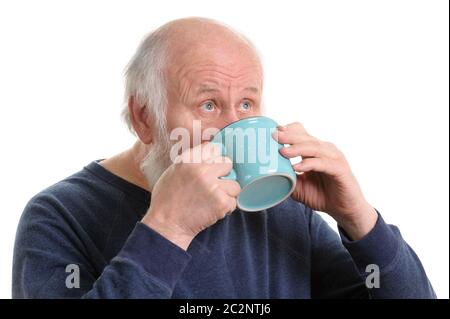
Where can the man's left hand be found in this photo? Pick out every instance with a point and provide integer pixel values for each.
(325, 181)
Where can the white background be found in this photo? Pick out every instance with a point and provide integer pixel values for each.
(370, 76)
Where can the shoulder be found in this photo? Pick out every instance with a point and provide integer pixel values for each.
(80, 203)
(70, 194)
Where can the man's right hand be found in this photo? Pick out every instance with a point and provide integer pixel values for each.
(189, 196)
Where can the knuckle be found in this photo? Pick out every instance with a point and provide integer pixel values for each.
(234, 188)
(228, 163)
(213, 187)
(318, 145)
(340, 154)
(326, 146)
(336, 153)
(222, 203)
(202, 176)
(331, 146)
(209, 150)
(223, 160)
(233, 205)
(215, 148)
(300, 127)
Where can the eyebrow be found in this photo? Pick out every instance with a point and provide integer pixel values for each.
(252, 89)
(206, 89)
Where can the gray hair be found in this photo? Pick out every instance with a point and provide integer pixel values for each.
(145, 81)
(145, 78)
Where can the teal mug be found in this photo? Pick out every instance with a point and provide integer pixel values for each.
(265, 176)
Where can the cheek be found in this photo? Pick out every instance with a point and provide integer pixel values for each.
(178, 116)
(189, 129)
(179, 125)
(257, 111)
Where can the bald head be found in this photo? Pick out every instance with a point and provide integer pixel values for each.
(191, 34)
(182, 57)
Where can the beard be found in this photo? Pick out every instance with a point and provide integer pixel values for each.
(157, 159)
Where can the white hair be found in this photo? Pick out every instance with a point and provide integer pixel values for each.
(145, 80)
(145, 77)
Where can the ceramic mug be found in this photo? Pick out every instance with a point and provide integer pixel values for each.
(265, 176)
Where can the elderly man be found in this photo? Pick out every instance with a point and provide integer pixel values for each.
(138, 225)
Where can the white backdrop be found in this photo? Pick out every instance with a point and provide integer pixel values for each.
(370, 76)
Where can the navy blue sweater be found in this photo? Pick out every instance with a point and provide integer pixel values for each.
(91, 219)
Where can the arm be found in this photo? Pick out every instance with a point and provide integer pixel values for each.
(326, 183)
(339, 264)
(46, 243)
(153, 258)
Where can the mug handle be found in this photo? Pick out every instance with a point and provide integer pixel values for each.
(232, 174)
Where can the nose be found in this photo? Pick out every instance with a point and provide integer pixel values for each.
(229, 117)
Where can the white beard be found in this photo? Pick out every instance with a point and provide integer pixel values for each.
(156, 161)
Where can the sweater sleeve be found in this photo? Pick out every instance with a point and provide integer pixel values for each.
(147, 265)
(344, 268)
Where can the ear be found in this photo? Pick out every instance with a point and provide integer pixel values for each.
(141, 120)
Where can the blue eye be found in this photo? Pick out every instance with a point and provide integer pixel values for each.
(208, 106)
(246, 106)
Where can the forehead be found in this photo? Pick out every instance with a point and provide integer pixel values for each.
(215, 64)
(204, 76)
(209, 76)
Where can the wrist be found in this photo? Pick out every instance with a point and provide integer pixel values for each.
(168, 230)
(359, 225)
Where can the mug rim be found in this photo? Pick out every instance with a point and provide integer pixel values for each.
(293, 182)
(245, 119)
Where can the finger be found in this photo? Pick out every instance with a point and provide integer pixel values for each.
(219, 166)
(210, 150)
(206, 152)
(214, 155)
(294, 127)
(314, 164)
(220, 160)
(291, 136)
(306, 149)
(232, 188)
(232, 205)
(200, 153)
(227, 203)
